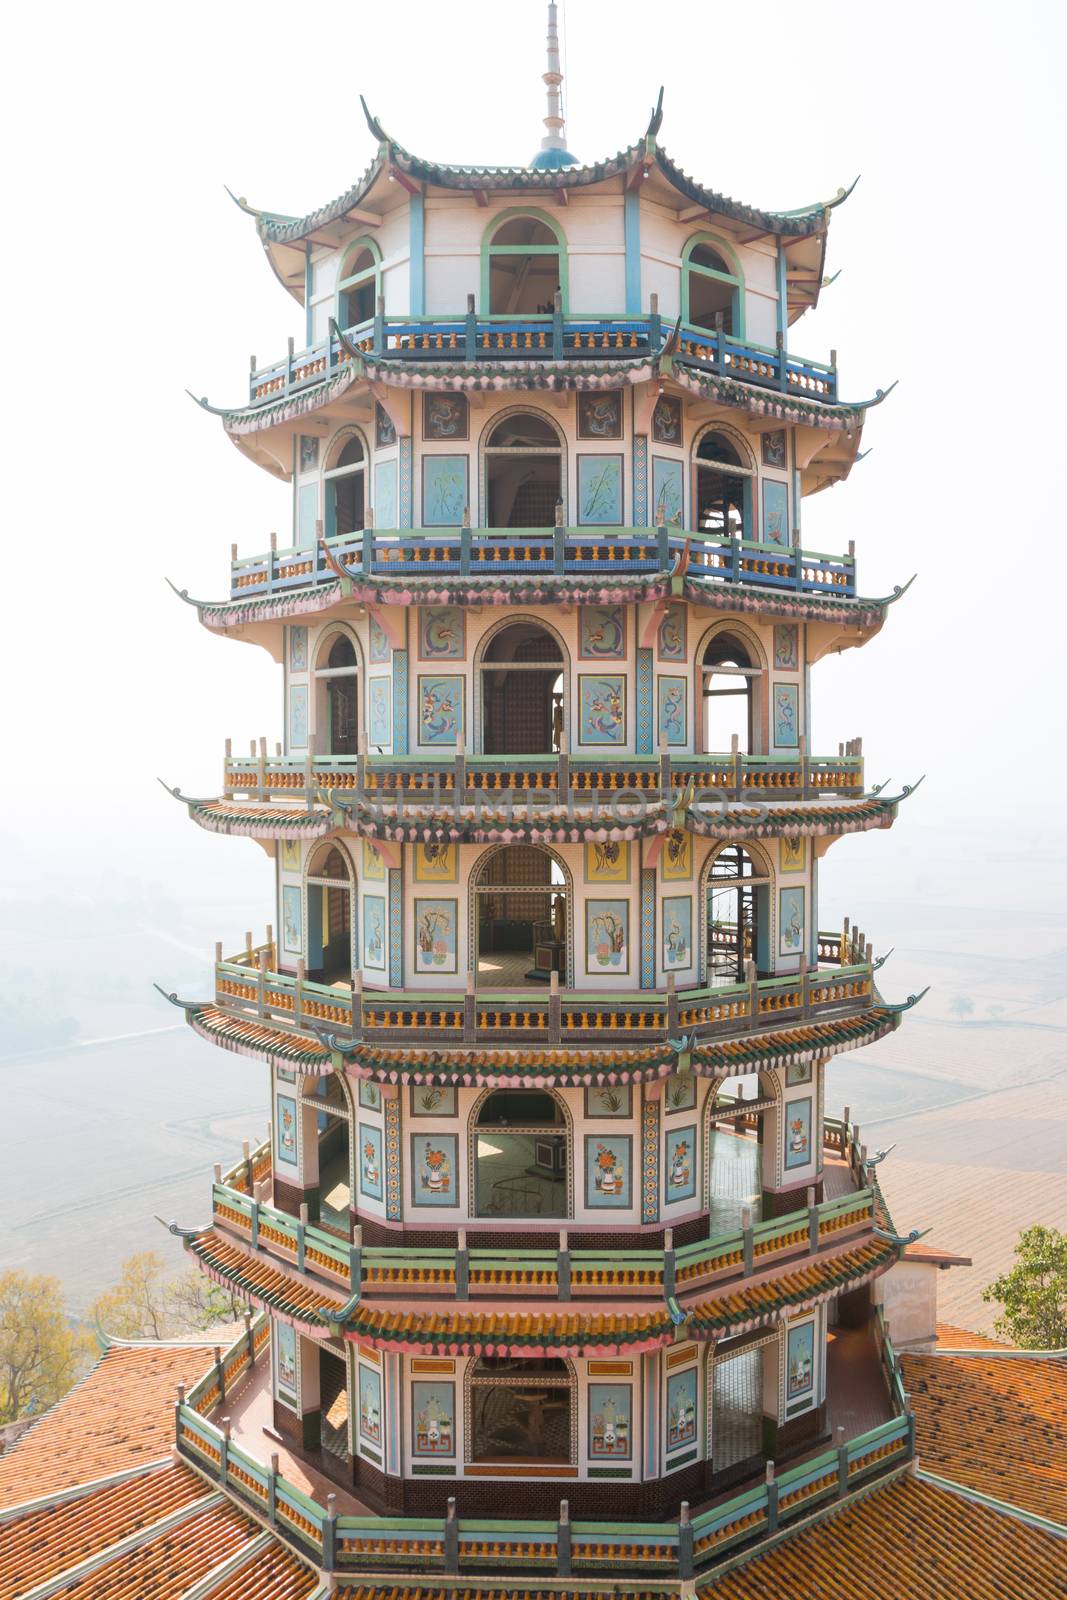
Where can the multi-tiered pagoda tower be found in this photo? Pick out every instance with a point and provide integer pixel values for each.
(551, 1210)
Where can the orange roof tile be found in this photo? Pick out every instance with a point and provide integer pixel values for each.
(996, 1424)
(41, 1544)
(165, 1567)
(274, 1574)
(911, 1540)
(120, 1416)
(954, 1338)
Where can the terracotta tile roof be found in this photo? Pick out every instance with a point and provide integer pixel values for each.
(274, 1574)
(165, 1567)
(996, 1424)
(120, 1416)
(573, 1326)
(910, 1540)
(962, 1339)
(39, 1545)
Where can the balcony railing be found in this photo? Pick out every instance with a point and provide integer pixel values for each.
(699, 1543)
(551, 779)
(554, 337)
(542, 552)
(249, 986)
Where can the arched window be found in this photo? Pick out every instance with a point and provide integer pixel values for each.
(520, 1167)
(738, 907)
(330, 894)
(346, 488)
(723, 488)
(521, 918)
(713, 290)
(729, 678)
(522, 700)
(337, 683)
(359, 285)
(521, 1409)
(524, 263)
(523, 472)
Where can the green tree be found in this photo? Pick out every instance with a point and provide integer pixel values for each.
(1034, 1293)
(40, 1353)
(148, 1304)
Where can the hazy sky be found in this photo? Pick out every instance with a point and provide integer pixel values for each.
(130, 276)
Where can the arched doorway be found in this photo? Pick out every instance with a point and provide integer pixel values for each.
(521, 1409)
(712, 290)
(723, 498)
(735, 1132)
(524, 265)
(521, 918)
(345, 483)
(331, 889)
(359, 285)
(521, 1140)
(522, 687)
(523, 458)
(333, 1121)
(337, 684)
(729, 675)
(738, 919)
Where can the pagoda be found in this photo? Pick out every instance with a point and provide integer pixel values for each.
(553, 1241)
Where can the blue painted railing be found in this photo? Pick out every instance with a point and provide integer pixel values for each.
(553, 337)
(382, 553)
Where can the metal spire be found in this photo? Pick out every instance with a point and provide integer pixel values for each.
(553, 152)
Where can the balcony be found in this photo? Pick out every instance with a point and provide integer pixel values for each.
(725, 1260)
(543, 780)
(248, 987)
(372, 554)
(341, 1535)
(552, 338)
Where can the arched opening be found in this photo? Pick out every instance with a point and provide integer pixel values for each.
(521, 918)
(525, 268)
(522, 692)
(333, 1404)
(333, 1124)
(521, 1409)
(738, 927)
(729, 676)
(737, 1109)
(346, 489)
(723, 488)
(712, 290)
(358, 289)
(337, 682)
(330, 893)
(523, 473)
(520, 1166)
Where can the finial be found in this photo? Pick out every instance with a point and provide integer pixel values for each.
(553, 153)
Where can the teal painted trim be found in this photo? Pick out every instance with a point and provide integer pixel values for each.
(783, 296)
(417, 251)
(347, 281)
(309, 320)
(631, 222)
(488, 250)
(400, 702)
(737, 277)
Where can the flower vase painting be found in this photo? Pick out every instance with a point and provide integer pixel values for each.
(607, 935)
(433, 1411)
(681, 1409)
(286, 1139)
(434, 1169)
(370, 1161)
(610, 1431)
(681, 1169)
(435, 935)
(370, 1405)
(607, 1168)
(798, 1133)
(800, 1361)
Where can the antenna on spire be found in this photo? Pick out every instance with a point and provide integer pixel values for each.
(553, 152)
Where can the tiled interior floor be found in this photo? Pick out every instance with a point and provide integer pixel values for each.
(735, 1179)
(508, 971)
(737, 1407)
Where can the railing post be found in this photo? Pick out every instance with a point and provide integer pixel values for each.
(563, 1267)
(805, 766)
(753, 994)
(224, 1450)
(654, 324)
(842, 1462)
(563, 1540)
(261, 984)
(669, 1273)
(557, 326)
(463, 1266)
(772, 1499)
(555, 1009)
(461, 767)
(220, 1374)
(798, 565)
(559, 542)
(329, 1534)
(465, 537)
(663, 547)
(298, 992)
(739, 767)
(685, 1542)
(748, 1249)
(249, 1339)
(357, 1004)
(227, 784)
(470, 1015)
(805, 985)
(470, 332)
(833, 374)
(563, 772)
(672, 1006)
(355, 1260)
(301, 1231)
(289, 364)
(379, 325)
(664, 771)
(720, 344)
(272, 1490)
(783, 365)
(451, 1537)
(367, 552)
(813, 1223)
(845, 1115)
(254, 1241)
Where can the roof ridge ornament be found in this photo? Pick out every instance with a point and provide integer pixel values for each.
(373, 124)
(655, 121)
